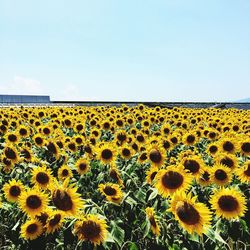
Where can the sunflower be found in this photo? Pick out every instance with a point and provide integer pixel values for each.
(193, 216)
(205, 178)
(39, 140)
(12, 190)
(33, 201)
(150, 175)
(91, 228)
(106, 152)
(12, 137)
(189, 138)
(23, 131)
(82, 165)
(172, 179)
(42, 177)
(228, 145)
(244, 146)
(26, 154)
(228, 160)
(220, 174)
(53, 148)
(243, 172)
(153, 221)
(212, 148)
(166, 129)
(11, 153)
(228, 203)
(64, 172)
(54, 221)
(126, 152)
(112, 192)
(66, 198)
(31, 229)
(156, 154)
(194, 165)
(121, 136)
(115, 175)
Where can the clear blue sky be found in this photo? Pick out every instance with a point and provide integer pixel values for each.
(133, 50)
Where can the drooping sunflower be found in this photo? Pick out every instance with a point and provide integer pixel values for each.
(82, 165)
(150, 174)
(193, 216)
(54, 221)
(42, 177)
(153, 221)
(228, 203)
(106, 152)
(64, 172)
(220, 175)
(156, 154)
(33, 201)
(66, 198)
(12, 190)
(115, 175)
(91, 228)
(172, 179)
(31, 229)
(243, 172)
(112, 192)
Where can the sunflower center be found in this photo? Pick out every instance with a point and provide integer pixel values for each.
(190, 139)
(113, 174)
(15, 191)
(43, 218)
(174, 140)
(247, 171)
(227, 161)
(126, 152)
(121, 137)
(220, 175)
(192, 165)
(23, 131)
(42, 178)
(152, 221)
(109, 191)
(155, 156)
(12, 138)
(143, 157)
(65, 172)
(187, 213)
(213, 149)
(62, 200)
(39, 140)
(206, 176)
(228, 203)
(172, 180)
(10, 153)
(140, 138)
(82, 166)
(90, 230)
(153, 176)
(33, 201)
(246, 147)
(56, 219)
(228, 146)
(107, 154)
(32, 228)
(46, 131)
(166, 145)
(52, 148)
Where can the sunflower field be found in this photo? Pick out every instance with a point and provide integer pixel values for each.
(127, 177)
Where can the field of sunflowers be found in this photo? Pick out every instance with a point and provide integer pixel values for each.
(106, 177)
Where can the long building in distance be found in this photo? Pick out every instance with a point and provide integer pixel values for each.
(31, 100)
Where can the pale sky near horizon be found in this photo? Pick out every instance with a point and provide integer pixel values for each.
(114, 50)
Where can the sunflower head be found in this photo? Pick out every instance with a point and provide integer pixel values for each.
(42, 177)
(31, 229)
(112, 192)
(12, 190)
(150, 213)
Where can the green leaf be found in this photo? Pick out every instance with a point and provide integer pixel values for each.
(117, 233)
(133, 246)
(153, 194)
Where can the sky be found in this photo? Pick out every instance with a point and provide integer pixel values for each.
(133, 50)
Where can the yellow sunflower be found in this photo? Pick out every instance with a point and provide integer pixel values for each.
(91, 228)
(106, 152)
(172, 179)
(193, 216)
(33, 201)
(42, 177)
(228, 160)
(205, 178)
(228, 203)
(153, 221)
(243, 172)
(220, 175)
(244, 147)
(156, 154)
(64, 172)
(31, 229)
(194, 165)
(82, 165)
(12, 190)
(54, 221)
(150, 175)
(112, 192)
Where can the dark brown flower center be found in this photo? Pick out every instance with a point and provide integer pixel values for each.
(174, 140)
(247, 171)
(228, 203)
(32, 228)
(246, 147)
(152, 221)
(23, 131)
(90, 230)
(10, 153)
(52, 148)
(82, 166)
(155, 156)
(220, 175)
(109, 191)
(62, 200)
(152, 176)
(46, 131)
(121, 137)
(126, 152)
(140, 138)
(172, 180)
(15, 191)
(188, 214)
(166, 144)
(65, 172)
(55, 220)
(38, 140)
(33, 202)
(43, 218)
(107, 154)
(213, 149)
(190, 139)
(12, 138)
(205, 176)
(228, 146)
(227, 161)
(42, 178)
(192, 165)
